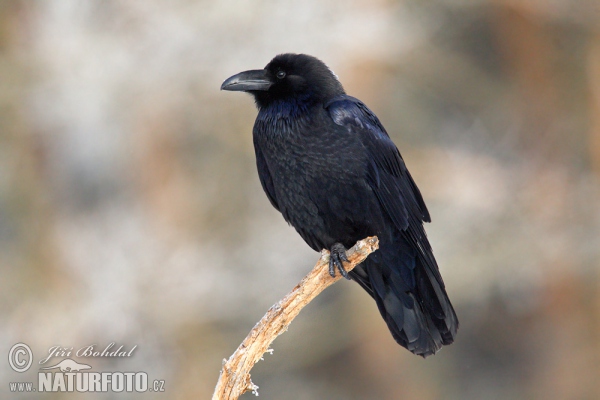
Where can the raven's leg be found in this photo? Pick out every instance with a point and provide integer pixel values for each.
(337, 256)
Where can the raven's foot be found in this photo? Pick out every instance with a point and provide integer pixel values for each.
(337, 256)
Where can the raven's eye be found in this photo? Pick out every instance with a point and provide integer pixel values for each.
(280, 74)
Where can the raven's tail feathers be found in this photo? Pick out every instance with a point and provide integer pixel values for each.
(411, 299)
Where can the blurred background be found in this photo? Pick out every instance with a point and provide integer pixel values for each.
(131, 211)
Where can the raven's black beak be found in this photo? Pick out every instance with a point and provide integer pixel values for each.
(248, 81)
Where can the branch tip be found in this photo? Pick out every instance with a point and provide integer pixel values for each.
(277, 319)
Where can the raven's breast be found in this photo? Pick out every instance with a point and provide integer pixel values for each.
(319, 180)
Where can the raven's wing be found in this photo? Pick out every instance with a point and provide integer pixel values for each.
(265, 176)
(403, 276)
(388, 175)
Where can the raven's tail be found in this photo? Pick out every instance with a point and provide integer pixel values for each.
(410, 295)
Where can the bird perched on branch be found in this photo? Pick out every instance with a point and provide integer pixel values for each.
(328, 165)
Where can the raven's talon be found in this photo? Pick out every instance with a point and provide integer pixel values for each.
(331, 266)
(337, 256)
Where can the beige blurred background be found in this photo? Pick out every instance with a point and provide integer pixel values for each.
(131, 211)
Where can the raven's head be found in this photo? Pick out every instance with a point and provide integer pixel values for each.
(294, 77)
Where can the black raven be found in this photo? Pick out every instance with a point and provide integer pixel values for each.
(328, 165)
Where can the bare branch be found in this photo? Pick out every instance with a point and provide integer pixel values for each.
(234, 379)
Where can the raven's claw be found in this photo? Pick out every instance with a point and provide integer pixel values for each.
(337, 256)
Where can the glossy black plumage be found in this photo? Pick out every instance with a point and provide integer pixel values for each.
(327, 164)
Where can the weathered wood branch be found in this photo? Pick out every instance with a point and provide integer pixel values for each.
(234, 379)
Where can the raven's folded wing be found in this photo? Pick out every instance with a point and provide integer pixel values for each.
(388, 175)
(404, 269)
